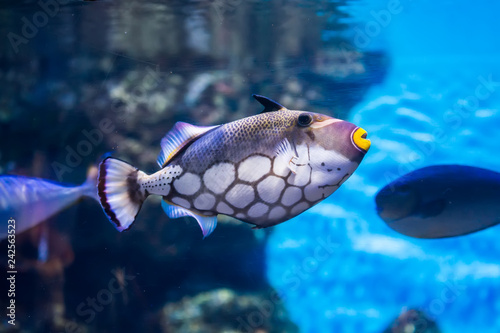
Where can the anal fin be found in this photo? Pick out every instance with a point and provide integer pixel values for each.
(207, 223)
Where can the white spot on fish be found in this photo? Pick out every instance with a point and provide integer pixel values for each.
(240, 215)
(322, 159)
(299, 208)
(277, 213)
(292, 195)
(223, 208)
(188, 184)
(253, 168)
(240, 195)
(218, 177)
(280, 168)
(258, 210)
(204, 201)
(270, 188)
(313, 193)
(181, 202)
(301, 177)
(324, 183)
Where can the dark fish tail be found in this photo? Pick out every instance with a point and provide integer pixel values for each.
(120, 192)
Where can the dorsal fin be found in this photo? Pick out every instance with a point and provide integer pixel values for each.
(207, 223)
(269, 104)
(179, 136)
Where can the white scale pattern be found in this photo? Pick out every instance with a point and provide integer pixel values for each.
(313, 193)
(254, 168)
(204, 201)
(218, 177)
(277, 213)
(299, 208)
(292, 195)
(187, 184)
(270, 188)
(258, 210)
(240, 195)
(181, 202)
(223, 208)
(301, 177)
(280, 168)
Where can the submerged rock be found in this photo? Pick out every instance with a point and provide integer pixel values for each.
(225, 310)
(413, 321)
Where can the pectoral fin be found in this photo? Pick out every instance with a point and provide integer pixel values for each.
(286, 155)
(207, 223)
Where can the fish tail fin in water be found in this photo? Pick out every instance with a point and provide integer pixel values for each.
(89, 187)
(120, 192)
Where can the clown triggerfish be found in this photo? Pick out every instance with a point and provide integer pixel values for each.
(262, 170)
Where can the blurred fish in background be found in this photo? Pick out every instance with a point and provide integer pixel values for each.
(31, 201)
(441, 201)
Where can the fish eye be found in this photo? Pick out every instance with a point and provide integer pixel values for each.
(304, 120)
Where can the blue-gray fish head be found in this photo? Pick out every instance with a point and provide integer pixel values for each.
(397, 200)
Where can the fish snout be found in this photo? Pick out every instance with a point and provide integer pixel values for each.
(343, 137)
(359, 139)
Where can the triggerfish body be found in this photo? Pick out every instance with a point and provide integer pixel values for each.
(263, 169)
(441, 201)
(30, 201)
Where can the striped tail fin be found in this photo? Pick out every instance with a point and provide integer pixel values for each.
(119, 191)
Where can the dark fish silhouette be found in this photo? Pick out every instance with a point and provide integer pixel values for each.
(441, 201)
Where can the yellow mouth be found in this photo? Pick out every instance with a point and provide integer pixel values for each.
(360, 140)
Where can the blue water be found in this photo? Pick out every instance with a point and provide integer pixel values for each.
(338, 267)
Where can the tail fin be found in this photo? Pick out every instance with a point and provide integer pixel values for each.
(119, 191)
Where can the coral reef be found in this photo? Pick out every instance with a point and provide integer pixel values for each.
(223, 310)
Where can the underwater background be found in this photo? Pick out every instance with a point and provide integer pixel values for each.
(422, 77)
